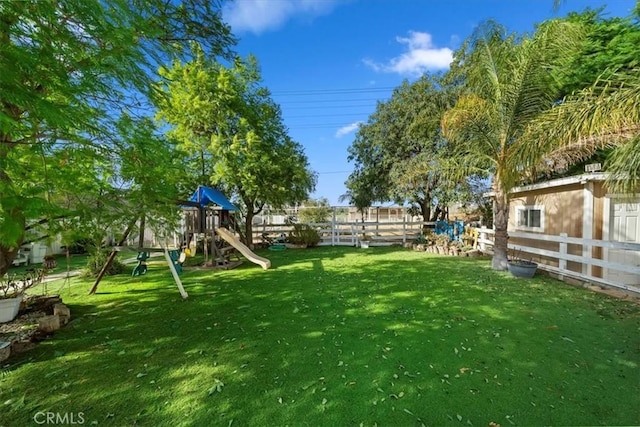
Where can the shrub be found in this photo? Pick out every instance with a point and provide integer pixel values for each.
(303, 234)
(96, 261)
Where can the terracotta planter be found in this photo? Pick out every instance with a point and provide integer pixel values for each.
(9, 308)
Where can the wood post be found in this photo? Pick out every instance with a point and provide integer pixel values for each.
(110, 258)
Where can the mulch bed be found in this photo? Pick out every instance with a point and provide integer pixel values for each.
(22, 332)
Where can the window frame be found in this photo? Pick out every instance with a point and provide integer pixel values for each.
(525, 210)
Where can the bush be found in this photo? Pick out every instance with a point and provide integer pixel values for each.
(303, 234)
(98, 258)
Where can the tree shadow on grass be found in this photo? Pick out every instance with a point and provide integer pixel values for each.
(332, 337)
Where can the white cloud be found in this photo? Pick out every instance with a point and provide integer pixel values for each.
(347, 129)
(257, 16)
(421, 56)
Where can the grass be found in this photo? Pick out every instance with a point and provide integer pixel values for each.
(76, 262)
(335, 337)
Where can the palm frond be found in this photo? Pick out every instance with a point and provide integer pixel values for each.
(624, 168)
(603, 115)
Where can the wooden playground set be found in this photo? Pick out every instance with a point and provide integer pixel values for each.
(208, 219)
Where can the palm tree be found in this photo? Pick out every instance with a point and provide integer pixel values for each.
(510, 122)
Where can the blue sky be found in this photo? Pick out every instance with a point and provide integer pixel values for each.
(327, 62)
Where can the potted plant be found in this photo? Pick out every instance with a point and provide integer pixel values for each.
(12, 292)
(364, 241)
(49, 262)
(520, 267)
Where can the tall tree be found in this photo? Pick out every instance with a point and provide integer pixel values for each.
(225, 112)
(507, 86)
(402, 149)
(81, 63)
(512, 119)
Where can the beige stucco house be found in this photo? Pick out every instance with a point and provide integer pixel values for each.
(580, 207)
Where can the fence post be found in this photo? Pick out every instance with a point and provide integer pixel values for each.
(404, 230)
(483, 236)
(333, 227)
(353, 235)
(562, 263)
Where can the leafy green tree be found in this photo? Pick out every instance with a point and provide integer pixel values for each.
(225, 113)
(361, 190)
(314, 211)
(602, 87)
(81, 63)
(401, 150)
(611, 46)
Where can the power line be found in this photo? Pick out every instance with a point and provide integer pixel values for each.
(330, 100)
(331, 91)
(308, 116)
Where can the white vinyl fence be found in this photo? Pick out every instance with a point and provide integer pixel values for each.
(337, 233)
(561, 256)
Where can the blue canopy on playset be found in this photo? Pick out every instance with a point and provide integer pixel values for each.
(204, 196)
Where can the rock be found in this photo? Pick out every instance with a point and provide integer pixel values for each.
(49, 324)
(63, 312)
(5, 350)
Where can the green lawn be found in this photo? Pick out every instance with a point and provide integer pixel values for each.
(76, 262)
(335, 337)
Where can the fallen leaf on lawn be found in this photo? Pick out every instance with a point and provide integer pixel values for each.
(324, 401)
(459, 417)
(217, 387)
(408, 412)
(463, 370)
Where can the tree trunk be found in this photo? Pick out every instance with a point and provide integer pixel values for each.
(141, 234)
(425, 210)
(436, 214)
(14, 217)
(248, 228)
(501, 212)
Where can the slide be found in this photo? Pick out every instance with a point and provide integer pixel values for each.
(245, 251)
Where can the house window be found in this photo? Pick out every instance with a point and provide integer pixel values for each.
(530, 218)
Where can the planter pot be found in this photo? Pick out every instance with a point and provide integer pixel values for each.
(522, 268)
(9, 308)
(364, 244)
(49, 263)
